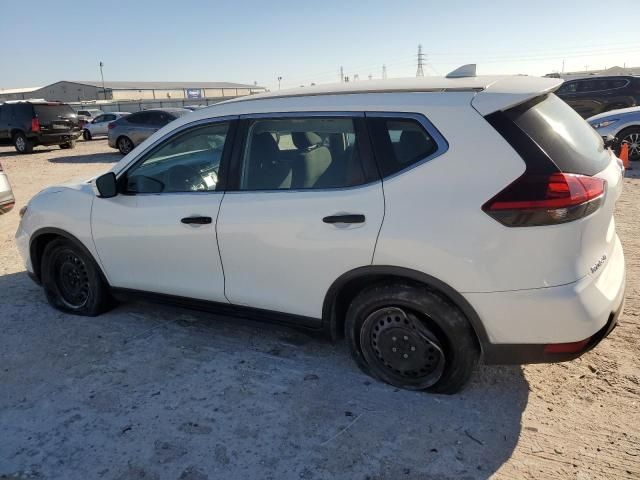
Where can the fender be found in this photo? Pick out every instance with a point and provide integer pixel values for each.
(372, 273)
(33, 252)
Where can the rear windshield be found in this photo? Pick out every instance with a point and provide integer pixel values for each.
(572, 144)
(48, 113)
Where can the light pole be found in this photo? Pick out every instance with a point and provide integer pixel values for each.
(279, 80)
(104, 92)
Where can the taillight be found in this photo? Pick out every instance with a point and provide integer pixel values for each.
(546, 199)
(111, 125)
(35, 124)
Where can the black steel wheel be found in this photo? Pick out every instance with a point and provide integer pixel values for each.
(401, 348)
(71, 277)
(86, 134)
(72, 280)
(411, 337)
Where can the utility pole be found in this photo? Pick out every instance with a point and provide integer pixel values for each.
(356, 77)
(420, 71)
(563, 65)
(370, 76)
(279, 80)
(341, 75)
(384, 72)
(104, 92)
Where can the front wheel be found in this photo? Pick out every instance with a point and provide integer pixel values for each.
(125, 145)
(411, 337)
(71, 280)
(68, 145)
(86, 134)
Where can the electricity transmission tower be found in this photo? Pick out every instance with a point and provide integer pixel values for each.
(421, 57)
(384, 72)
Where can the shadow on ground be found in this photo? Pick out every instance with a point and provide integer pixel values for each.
(149, 391)
(36, 150)
(112, 157)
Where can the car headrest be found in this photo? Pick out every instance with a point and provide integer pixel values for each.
(305, 140)
(264, 143)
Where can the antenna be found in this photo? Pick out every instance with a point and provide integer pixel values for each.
(421, 57)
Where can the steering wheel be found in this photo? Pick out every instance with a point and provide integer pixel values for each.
(183, 178)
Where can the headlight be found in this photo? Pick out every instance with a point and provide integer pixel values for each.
(604, 123)
(23, 210)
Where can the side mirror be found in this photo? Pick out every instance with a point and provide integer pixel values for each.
(106, 185)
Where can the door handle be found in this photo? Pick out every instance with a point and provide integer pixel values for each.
(348, 218)
(196, 220)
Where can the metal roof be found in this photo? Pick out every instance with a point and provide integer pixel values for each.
(126, 85)
(6, 91)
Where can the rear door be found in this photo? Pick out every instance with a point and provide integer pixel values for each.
(304, 205)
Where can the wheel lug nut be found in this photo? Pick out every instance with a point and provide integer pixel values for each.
(393, 338)
(394, 349)
(413, 349)
(406, 356)
(406, 338)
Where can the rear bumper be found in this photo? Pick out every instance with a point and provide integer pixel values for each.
(56, 138)
(555, 323)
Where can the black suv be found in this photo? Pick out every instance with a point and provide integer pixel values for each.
(26, 124)
(593, 95)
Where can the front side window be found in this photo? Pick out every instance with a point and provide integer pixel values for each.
(187, 162)
(569, 87)
(301, 153)
(400, 143)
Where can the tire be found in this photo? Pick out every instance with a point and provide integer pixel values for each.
(86, 134)
(631, 136)
(22, 144)
(124, 144)
(411, 337)
(72, 280)
(68, 145)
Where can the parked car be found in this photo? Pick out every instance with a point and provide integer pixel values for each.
(26, 124)
(594, 95)
(99, 125)
(127, 132)
(87, 115)
(364, 209)
(624, 125)
(6, 194)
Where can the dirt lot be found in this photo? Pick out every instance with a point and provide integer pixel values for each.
(150, 392)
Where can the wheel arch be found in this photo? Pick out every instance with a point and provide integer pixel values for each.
(348, 285)
(39, 240)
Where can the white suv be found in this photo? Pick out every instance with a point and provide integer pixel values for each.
(434, 221)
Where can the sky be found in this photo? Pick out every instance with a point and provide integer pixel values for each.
(305, 42)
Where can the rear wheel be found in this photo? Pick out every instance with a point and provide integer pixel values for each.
(631, 136)
(124, 144)
(71, 280)
(86, 134)
(22, 143)
(411, 337)
(69, 144)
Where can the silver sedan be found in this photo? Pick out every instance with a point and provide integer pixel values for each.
(129, 131)
(624, 124)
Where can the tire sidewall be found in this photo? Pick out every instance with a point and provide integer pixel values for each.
(119, 145)
(445, 320)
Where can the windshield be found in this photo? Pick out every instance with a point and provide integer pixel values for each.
(47, 113)
(572, 144)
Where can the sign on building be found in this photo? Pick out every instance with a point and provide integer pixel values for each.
(194, 93)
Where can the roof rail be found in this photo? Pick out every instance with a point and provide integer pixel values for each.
(468, 70)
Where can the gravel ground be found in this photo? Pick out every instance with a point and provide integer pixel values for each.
(152, 392)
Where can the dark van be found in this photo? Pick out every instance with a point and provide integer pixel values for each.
(593, 95)
(25, 124)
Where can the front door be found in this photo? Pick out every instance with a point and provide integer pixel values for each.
(304, 206)
(159, 234)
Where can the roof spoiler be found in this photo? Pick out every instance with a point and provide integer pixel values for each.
(468, 70)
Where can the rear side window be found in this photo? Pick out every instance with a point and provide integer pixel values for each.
(570, 142)
(139, 118)
(49, 113)
(400, 143)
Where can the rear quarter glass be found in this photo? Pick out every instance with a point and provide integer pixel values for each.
(49, 113)
(566, 138)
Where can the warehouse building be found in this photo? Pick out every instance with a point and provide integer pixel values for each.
(88, 91)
